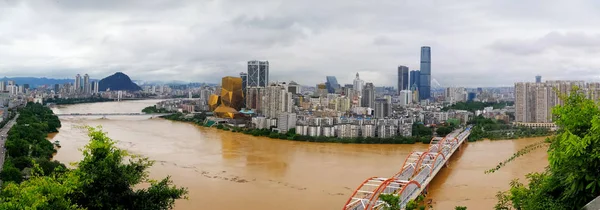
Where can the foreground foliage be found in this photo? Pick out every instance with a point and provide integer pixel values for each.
(572, 178)
(104, 179)
(26, 143)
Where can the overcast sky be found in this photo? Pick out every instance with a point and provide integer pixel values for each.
(473, 42)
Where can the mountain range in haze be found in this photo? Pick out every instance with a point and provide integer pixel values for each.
(41, 81)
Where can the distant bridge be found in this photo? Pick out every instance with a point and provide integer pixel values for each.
(113, 114)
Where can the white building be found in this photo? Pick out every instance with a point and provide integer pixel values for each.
(358, 85)
(348, 130)
(440, 116)
(328, 131)
(405, 97)
(455, 94)
(368, 130)
(286, 121)
(302, 130)
(259, 122)
(387, 131)
(276, 100)
(383, 108)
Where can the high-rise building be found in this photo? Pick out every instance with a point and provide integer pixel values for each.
(276, 100)
(406, 97)
(415, 78)
(96, 88)
(403, 83)
(332, 84)
(425, 74)
(254, 98)
(534, 101)
(358, 85)
(56, 88)
(286, 121)
(415, 93)
(87, 87)
(383, 108)
(244, 77)
(538, 79)
(471, 96)
(258, 73)
(455, 94)
(77, 83)
(2, 85)
(294, 88)
(368, 95)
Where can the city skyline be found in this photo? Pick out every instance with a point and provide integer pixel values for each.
(302, 43)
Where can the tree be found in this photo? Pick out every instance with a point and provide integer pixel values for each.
(40, 192)
(109, 179)
(11, 174)
(573, 176)
(443, 130)
(392, 201)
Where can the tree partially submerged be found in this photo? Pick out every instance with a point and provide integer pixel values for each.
(106, 178)
(573, 176)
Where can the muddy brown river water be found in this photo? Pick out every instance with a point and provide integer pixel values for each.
(225, 170)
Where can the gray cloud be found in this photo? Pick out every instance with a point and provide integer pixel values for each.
(551, 41)
(474, 42)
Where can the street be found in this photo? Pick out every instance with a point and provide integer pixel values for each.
(3, 135)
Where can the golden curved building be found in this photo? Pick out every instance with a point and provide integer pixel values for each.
(232, 97)
(214, 102)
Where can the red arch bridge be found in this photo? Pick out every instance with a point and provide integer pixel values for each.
(416, 173)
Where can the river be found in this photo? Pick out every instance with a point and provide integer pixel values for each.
(225, 170)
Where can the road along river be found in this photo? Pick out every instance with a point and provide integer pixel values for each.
(225, 170)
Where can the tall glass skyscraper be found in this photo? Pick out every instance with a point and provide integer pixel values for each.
(402, 78)
(425, 78)
(258, 74)
(332, 84)
(415, 78)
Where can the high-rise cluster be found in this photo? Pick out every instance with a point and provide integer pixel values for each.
(83, 85)
(534, 101)
(425, 74)
(254, 83)
(418, 82)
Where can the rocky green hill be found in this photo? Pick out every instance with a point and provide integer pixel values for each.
(118, 81)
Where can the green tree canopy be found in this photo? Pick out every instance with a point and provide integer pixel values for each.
(104, 179)
(573, 176)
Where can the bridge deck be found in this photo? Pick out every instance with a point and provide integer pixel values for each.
(437, 169)
(415, 175)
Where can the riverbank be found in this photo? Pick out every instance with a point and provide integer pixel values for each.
(27, 143)
(71, 101)
(198, 119)
(497, 130)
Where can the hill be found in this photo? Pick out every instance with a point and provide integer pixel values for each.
(118, 81)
